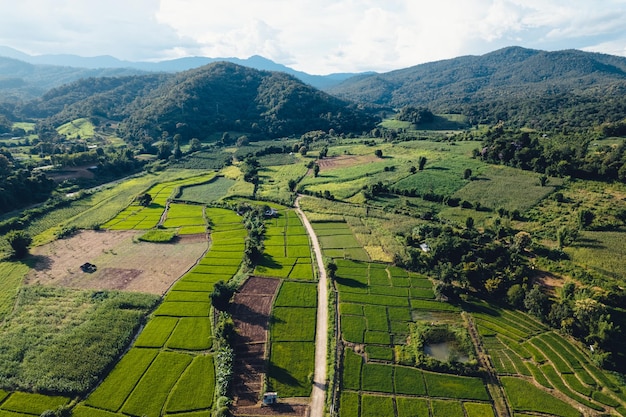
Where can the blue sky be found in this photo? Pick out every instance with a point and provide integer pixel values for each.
(316, 36)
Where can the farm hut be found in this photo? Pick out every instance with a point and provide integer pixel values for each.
(270, 398)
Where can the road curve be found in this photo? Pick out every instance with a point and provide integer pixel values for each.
(318, 394)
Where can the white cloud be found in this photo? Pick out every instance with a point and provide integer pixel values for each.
(317, 36)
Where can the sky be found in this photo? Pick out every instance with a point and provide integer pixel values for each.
(315, 36)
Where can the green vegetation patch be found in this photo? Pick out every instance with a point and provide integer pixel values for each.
(291, 363)
(452, 386)
(84, 411)
(295, 324)
(377, 377)
(183, 309)
(444, 408)
(191, 333)
(158, 236)
(12, 274)
(376, 406)
(409, 381)
(150, 394)
(296, 294)
(412, 407)
(27, 403)
(156, 332)
(61, 340)
(478, 410)
(526, 397)
(351, 375)
(208, 192)
(353, 328)
(195, 389)
(113, 391)
(349, 404)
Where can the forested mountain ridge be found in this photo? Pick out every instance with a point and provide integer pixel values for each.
(523, 86)
(223, 96)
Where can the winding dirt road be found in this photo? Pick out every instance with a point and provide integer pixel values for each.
(318, 395)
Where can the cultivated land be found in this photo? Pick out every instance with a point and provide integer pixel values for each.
(378, 313)
(123, 262)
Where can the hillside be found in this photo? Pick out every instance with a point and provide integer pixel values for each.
(524, 86)
(224, 96)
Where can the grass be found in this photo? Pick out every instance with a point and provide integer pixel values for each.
(412, 407)
(409, 381)
(351, 375)
(349, 404)
(28, 403)
(191, 333)
(377, 377)
(61, 340)
(452, 386)
(195, 389)
(158, 236)
(296, 294)
(111, 394)
(12, 274)
(525, 397)
(156, 332)
(376, 406)
(209, 192)
(353, 328)
(443, 408)
(478, 410)
(293, 324)
(291, 365)
(151, 393)
(183, 309)
(77, 129)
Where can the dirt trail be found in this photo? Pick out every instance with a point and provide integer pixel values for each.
(318, 395)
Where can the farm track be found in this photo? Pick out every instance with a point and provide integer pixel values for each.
(493, 383)
(318, 394)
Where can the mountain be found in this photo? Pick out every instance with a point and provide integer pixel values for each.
(514, 84)
(200, 103)
(174, 65)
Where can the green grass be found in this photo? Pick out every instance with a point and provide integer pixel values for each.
(353, 328)
(27, 403)
(84, 411)
(351, 372)
(195, 389)
(293, 324)
(291, 364)
(412, 407)
(183, 309)
(158, 236)
(77, 129)
(208, 192)
(478, 410)
(381, 353)
(377, 377)
(111, 394)
(525, 397)
(409, 381)
(61, 340)
(156, 332)
(296, 294)
(349, 404)
(11, 276)
(151, 393)
(452, 386)
(191, 333)
(376, 406)
(443, 408)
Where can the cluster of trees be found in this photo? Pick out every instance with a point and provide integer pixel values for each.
(556, 154)
(415, 115)
(20, 186)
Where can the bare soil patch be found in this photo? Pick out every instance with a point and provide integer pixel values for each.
(122, 262)
(251, 310)
(344, 161)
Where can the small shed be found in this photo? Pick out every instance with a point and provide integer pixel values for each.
(88, 267)
(270, 398)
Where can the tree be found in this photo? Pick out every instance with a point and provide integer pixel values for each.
(469, 223)
(331, 268)
(145, 199)
(543, 180)
(585, 218)
(316, 170)
(378, 153)
(303, 150)
(221, 295)
(412, 170)
(421, 162)
(515, 295)
(522, 240)
(536, 302)
(467, 174)
(19, 242)
(195, 145)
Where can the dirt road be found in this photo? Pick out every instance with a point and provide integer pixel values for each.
(318, 395)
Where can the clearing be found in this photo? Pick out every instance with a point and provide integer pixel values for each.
(345, 161)
(122, 262)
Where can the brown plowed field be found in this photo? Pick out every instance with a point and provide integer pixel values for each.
(123, 262)
(251, 310)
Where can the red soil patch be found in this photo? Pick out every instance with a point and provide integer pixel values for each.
(345, 161)
(251, 310)
(122, 261)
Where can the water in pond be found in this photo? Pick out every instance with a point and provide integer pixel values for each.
(445, 352)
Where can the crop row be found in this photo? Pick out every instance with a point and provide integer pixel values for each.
(19, 404)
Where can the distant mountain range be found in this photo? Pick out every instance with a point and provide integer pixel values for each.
(524, 86)
(110, 66)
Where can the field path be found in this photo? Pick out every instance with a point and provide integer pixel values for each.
(318, 395)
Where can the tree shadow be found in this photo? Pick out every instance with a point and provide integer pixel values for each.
(38, 262)
(283, 376)
(350, 282)
(588, 243)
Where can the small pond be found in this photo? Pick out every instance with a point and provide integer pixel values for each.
(445, 352)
